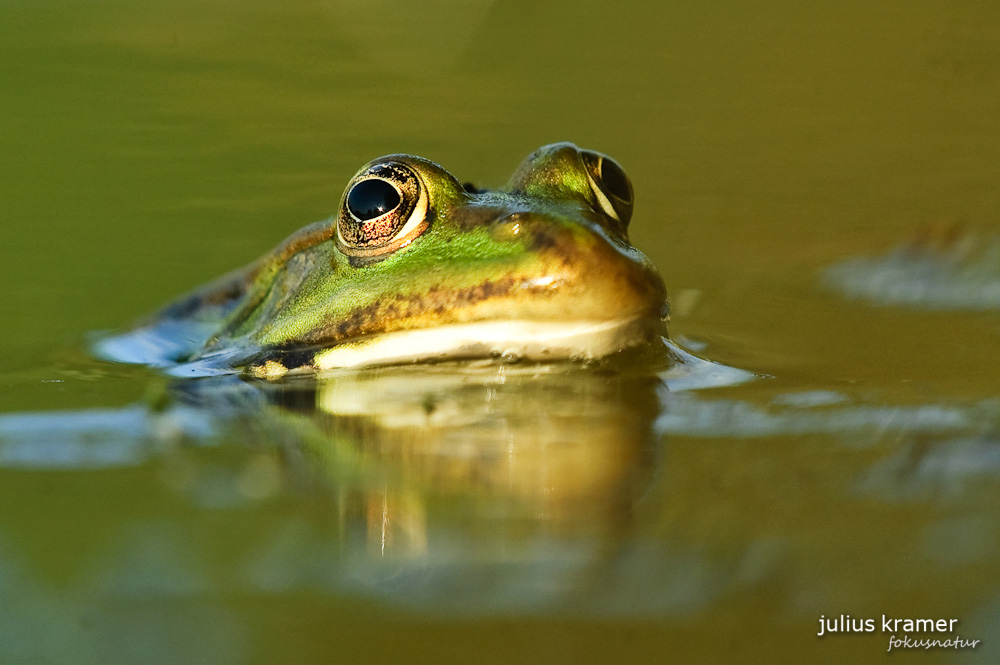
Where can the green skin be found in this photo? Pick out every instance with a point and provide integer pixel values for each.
(543, 248)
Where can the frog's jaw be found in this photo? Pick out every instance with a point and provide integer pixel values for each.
(507, 340)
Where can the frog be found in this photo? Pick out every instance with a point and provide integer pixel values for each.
(416, 266)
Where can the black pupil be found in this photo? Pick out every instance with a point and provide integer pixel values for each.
(615, 181)
(372, 198)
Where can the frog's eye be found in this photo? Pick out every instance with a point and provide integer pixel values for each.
(610, 184)
(384, 209)
(372, 198)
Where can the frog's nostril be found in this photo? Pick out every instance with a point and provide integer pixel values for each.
(513, 219)
(509, 227)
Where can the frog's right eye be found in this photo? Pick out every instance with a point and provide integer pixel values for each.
(384, 209)
(610, 185)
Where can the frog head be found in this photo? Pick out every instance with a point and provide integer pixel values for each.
(417, 267)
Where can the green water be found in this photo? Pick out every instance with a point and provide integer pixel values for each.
(146, 148)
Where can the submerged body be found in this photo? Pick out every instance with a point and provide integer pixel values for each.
(416, 267)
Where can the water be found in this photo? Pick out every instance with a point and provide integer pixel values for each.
(786, 162)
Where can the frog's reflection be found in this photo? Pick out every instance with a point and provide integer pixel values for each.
(479, 466)
(512, 448)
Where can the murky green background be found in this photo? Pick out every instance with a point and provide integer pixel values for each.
(145, 148)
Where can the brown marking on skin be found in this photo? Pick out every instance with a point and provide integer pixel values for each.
(382, 316)
(544, 240)
(559, 248)
(292, 358)
(275, 362)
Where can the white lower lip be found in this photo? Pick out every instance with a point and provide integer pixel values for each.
(529, 340)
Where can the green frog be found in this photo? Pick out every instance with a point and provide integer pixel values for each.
(417, 267)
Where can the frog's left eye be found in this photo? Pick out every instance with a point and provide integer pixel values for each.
(611, 186)
(384, 208)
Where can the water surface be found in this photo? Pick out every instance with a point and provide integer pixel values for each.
(786, 161)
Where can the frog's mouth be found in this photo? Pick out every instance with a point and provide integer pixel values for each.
(503, 340)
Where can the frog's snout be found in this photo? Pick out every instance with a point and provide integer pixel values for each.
(597, 275)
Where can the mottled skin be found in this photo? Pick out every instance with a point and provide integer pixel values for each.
(542, 248)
